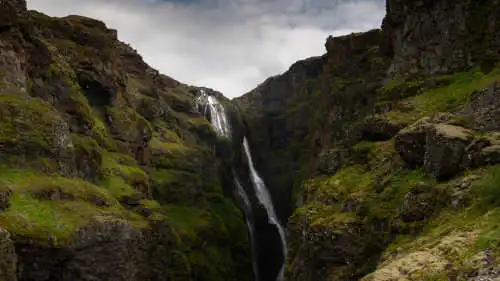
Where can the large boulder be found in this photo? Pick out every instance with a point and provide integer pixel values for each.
(445, 150)
(320, 249)
(436, 143)
(332, 160)
(411, 141)
(484, 151)
(419, 203)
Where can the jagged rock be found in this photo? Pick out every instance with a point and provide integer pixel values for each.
(103, 250)
(435, 37)
(460, 196)
(484, 151)
(10, 11)
(410, 142)
(445, 150)
(8, 258)
(436, 144)
(5, 194)
(418, 204)
(332, 160)
(379, 129)
(317, 250)
(484, 108)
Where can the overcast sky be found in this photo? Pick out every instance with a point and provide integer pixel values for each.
(228, 45)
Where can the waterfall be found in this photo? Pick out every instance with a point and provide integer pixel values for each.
(247, 208)
(265, 199)
(218, 119)
(218, 116)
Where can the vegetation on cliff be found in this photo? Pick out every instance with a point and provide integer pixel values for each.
(394, 174)
(107, 171)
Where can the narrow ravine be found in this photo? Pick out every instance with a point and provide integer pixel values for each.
(220, 122)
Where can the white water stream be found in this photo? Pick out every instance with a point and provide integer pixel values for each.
(265, 199)
(218, 116)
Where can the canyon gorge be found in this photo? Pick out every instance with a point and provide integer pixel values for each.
(377, 160)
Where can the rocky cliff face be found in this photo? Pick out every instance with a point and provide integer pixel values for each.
(107, 171)
(385, 148)
(439, 37)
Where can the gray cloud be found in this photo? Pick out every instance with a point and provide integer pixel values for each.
(228, 45)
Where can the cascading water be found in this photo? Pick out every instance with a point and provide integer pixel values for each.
(265, 199)
(247, 208)
(218, 116)
(219, 121)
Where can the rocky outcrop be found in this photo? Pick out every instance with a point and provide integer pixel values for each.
(437, 37)
(439, 146)
(445, 150)
(11, 11)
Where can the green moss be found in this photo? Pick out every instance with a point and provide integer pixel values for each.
(488, 188)
(187, 220)
(363, 146)
(117, 187)
(46, 220)
(167, 147)
(51, 209)
(128, 125)
(124, 166)
(341, 185)
(444, 99)
(174, 186)
(27, 124)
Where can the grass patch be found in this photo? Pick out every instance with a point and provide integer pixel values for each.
(188, 221)
(51, 209)
(47, 220)
(488, 188)
(448, 98)
(347, 181)
(27, 124)
(124, 166)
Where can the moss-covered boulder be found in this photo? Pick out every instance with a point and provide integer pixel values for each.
(445, 150)
(484, 150)
(410, 142)
(435, 143)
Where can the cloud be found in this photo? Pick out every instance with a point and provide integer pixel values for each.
(228, 45)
